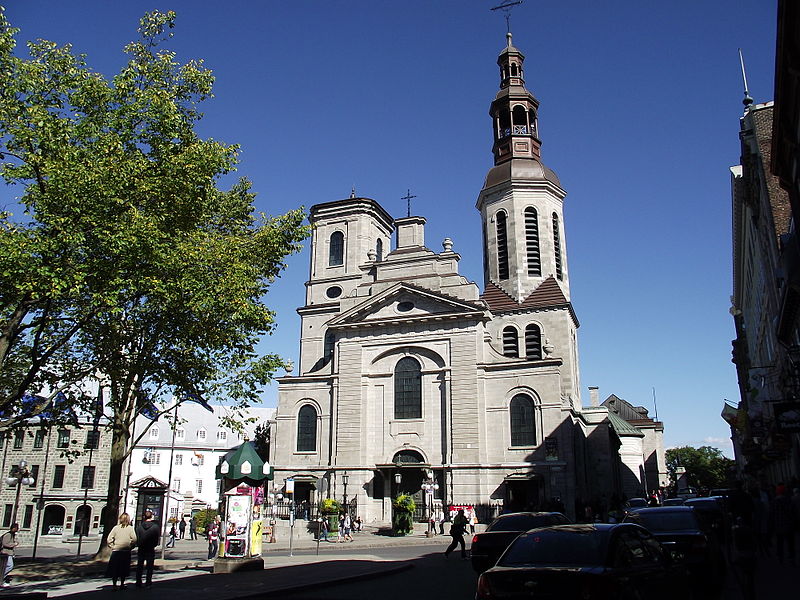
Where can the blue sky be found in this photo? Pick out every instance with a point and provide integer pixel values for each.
(640, 102)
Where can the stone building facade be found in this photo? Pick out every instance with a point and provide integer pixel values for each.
(412, 379)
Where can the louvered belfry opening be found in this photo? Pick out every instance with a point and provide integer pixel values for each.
(533, 342)
(532, 242)
(557, 247)
(510, 342)
(502, 246)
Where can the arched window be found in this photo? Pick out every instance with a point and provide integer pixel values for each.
(336, 250)
(502, 246)
(510, 342)
(504, 124)
(307, 429)
(533, 342)
(407, 389)
(379, 250)
(521, 410)
(520, 117)
(532, 242)
(557, 247)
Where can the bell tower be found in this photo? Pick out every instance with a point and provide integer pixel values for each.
(521, 203)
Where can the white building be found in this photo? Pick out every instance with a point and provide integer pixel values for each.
(199, 443)
(411, 376)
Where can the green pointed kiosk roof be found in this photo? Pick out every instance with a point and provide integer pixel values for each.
(243, 464)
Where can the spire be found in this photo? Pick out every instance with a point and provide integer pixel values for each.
(747, 100)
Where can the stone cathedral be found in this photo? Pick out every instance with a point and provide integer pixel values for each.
(411, 379)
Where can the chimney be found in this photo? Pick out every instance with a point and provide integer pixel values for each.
(594, 395)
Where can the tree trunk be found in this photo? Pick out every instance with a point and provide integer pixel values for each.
(119, 452)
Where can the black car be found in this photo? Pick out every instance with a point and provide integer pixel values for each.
(712, 513)
(600, 561)
(489, 545)
(678, 530)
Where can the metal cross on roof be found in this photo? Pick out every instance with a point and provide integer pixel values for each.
(408, 198)
(506, 6)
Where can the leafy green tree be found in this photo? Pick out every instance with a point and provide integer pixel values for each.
(130, 255)
(706, 467)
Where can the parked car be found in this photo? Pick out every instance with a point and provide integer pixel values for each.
(599, 561)
(686, 493)
(673, 502)
(712, 514)
(678, 530)
(489, 545)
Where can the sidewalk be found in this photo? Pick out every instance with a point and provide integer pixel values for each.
(185, 574)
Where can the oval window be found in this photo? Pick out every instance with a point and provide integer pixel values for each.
(333, 292)
(405, 306)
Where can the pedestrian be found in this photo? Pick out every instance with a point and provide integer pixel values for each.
(457, 531)
(121, 540)
(323, 528)
(340, 529)
(147, 536)
(348, 525)
(172, 534)
(212, 533)
(784, 522)
(359, 524)
(8, 542)
(192, 528)
(440, 520)
(473, 519)
(182, 528)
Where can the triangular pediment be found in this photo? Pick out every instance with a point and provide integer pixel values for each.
(407, 303)
(149, 482)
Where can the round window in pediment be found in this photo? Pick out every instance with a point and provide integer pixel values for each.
(333, 292)
(404, 306)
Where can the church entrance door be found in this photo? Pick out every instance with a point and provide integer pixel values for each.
(522, 494)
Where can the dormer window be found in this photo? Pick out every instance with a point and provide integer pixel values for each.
(201, 434)
(336, 249)
(154, 433)
(180, 433)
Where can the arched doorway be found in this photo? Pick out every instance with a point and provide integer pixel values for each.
(53, 519)
(83, 517)
(410, 472)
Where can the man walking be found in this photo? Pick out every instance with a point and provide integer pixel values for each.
(213, 538)
(147, 536)
(8, 542)
(182, 528)
(457, 530)
(192, 528)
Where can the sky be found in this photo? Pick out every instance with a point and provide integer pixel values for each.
(639, 117)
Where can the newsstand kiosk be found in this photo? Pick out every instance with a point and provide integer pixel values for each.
(243, 476)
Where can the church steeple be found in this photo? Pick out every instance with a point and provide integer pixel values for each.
(514, 110)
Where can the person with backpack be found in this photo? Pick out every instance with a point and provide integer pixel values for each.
(148, 535)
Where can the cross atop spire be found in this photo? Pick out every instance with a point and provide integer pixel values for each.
(506, 6)
(408, 198)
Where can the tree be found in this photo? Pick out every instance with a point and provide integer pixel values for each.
(706, 467)
(154, 276)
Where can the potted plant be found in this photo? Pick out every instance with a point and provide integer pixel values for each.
(331, 509)
(402, 515)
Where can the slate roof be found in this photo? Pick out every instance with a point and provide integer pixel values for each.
(547, 295)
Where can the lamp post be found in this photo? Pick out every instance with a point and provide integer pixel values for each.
(429, 486)
(345, 477)
(18, 477)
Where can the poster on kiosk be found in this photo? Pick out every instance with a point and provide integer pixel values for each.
(243, 529)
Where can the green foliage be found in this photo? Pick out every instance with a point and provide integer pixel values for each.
(127, 259)
(403, 513)
(329, 506)
(261, 439)
(706, 467)
(203, 517)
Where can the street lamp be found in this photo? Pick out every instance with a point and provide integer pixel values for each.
(429, 486)
(345, 477)
(18, 477)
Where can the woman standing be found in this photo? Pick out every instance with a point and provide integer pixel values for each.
(121, 540)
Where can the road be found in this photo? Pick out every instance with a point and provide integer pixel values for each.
(432, 577)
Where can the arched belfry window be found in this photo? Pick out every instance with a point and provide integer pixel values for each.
(307, 429)
(533, 342)
(510, 342)
(407, 389)
(532, 242)
(336, 250)
(520, 116)
(557, 247)
(521, 412)
(379, 250)
(504, 123)
(502, 245)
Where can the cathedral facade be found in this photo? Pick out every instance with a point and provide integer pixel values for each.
(413, 379)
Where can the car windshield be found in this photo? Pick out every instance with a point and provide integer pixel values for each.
(666, 520)
(522, 522)
(576, 546)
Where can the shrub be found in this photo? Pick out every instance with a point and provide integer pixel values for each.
(402, 515)
(330, 506)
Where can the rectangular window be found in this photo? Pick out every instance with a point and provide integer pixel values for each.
(173, 512)
(155, 458)
(154, 433)
(58, 476)
(180, 433)
(26, 520)
(87, 480)
(219, 485)
(92, 440)
(38, 438)
(201, 434)
(19, 438)
(7, 515)
(222, 436)
(179, 459)
(176, 485)
(63, 438)
(199, 486)
(35, 474)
